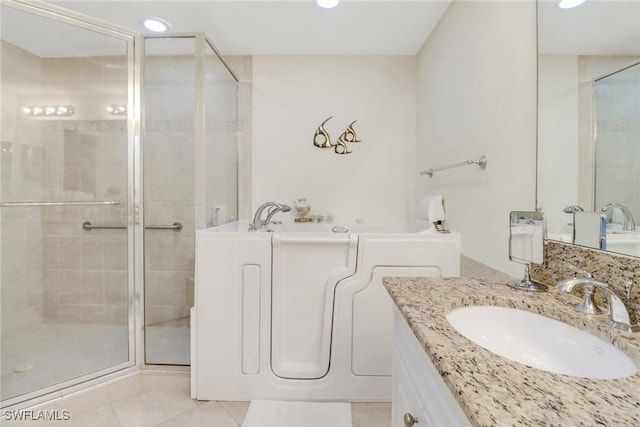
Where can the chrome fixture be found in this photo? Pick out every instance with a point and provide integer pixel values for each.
(572, 209)
(88, 226)
(527, 232)
(273, 208)
(618, 313)
(482, 162)
(629, 224)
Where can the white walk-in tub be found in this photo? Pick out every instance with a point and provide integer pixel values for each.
(299, 312)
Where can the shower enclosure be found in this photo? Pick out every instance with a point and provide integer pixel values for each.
(616, 106)
(115, 148)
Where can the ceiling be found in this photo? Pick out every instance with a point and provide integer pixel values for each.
(284, 27)
(597, 27)
(300, 27)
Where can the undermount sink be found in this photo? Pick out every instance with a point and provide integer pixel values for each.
(541, 342)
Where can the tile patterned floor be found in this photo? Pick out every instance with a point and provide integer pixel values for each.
(162, 400)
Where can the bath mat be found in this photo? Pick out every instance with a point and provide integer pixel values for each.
(276, 413)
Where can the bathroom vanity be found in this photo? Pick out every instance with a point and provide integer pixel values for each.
(475, 386)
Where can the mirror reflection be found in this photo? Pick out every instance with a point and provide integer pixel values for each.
(526, 239)
(589, 118)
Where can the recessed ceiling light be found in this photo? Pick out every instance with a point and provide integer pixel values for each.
(157, 25)
(327, 4)
(568, 4)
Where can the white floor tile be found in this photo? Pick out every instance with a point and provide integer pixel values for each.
(151, 408)
(163, 400)
(237, 410)
(208, 415)
(98, 417)
(371, 414)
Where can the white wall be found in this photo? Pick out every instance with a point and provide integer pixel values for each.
(292, 95)
(477, 95)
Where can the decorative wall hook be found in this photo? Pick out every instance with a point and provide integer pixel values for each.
(349, 135)
(326, 143)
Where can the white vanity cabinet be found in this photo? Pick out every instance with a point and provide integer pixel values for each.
(420, 397)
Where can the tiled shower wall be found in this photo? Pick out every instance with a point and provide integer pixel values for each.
(21, 254)
(73, 275)
(169, 188)
(172, 191)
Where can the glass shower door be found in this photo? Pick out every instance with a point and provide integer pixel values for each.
(66, 233)
(169, 177)
(190, 173)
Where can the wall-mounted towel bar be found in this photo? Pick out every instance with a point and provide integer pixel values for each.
(60, 203)
(482, 162)
(176, 226)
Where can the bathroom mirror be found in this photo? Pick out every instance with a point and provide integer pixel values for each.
(526, 245)
(589, 115)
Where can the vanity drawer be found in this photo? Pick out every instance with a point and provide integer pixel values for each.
(418, 388)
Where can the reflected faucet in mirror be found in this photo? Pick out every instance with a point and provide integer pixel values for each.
(572, 209)
(628, 223)
(526, 246)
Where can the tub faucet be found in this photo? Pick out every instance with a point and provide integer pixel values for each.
(629, 224)
(273, 208)
(618, 313)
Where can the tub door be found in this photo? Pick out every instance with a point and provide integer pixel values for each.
(306, 270)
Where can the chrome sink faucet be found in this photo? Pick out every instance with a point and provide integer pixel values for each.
(273, 208)
(618, 313)
(629, 224)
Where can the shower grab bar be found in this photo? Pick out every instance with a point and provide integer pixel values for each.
(88, 226)
(60, 203)
(482, 162)
(176, 226)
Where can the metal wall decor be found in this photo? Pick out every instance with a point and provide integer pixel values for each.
(340, 147)
(323, 133)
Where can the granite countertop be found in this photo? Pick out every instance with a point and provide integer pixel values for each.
(493, 390)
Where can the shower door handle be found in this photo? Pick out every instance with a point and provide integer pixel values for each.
(176, 226)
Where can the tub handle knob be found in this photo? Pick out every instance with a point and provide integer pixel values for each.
(340, 229)
(409, 420)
